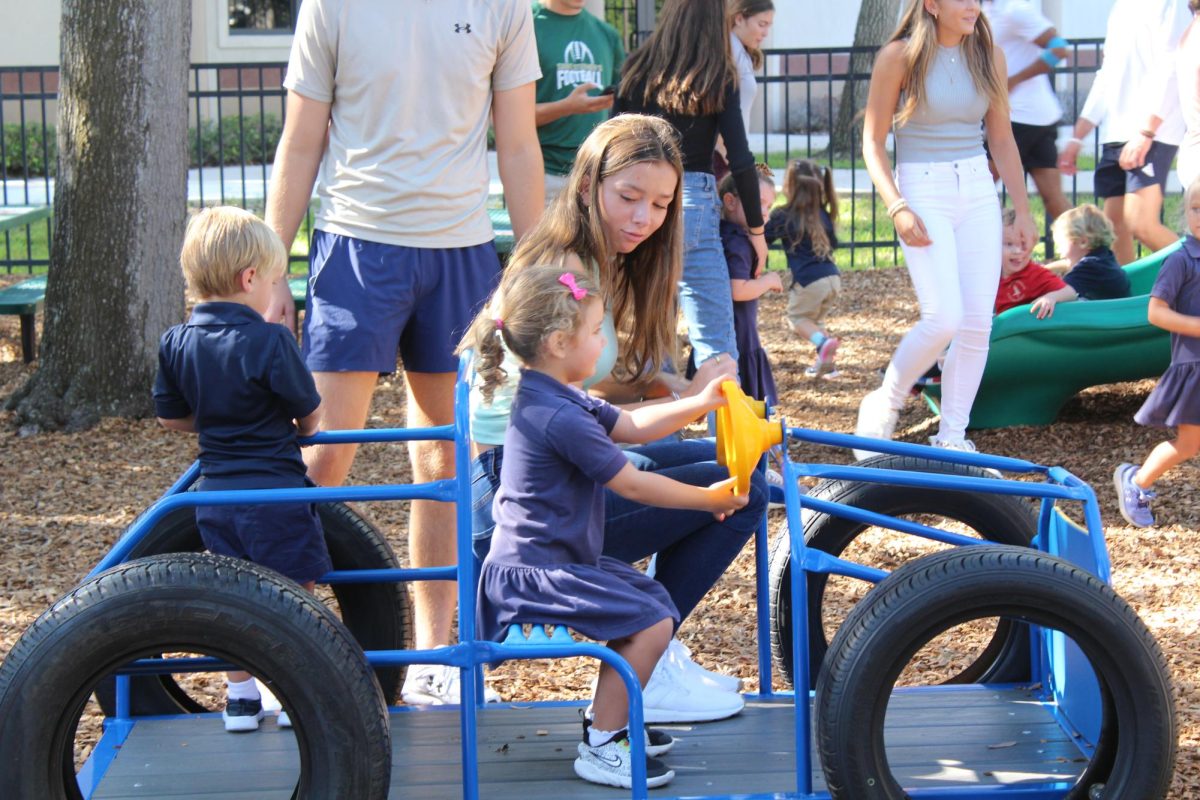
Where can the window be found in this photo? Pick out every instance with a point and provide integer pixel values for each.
(262, 16)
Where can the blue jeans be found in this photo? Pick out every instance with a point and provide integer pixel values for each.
(704, 294)
(694, 549)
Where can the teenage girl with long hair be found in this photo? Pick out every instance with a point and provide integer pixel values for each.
(749, 23)
(618, 221)
(935, 81)
(684, 73)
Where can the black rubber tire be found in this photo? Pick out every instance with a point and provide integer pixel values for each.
(933, 594)
(378, 614)
(996, 518)
(194, 602)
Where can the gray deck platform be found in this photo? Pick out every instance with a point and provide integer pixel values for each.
(974, 736)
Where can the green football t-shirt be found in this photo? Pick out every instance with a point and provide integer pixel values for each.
(572, 50)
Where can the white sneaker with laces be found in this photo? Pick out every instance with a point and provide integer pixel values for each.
(876, 419)
(963, 446)
(436, 685)
(609, 764)
(681, 654)
(675, 695)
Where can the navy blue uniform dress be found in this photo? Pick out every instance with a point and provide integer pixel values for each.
(244, 383)
(754, 368)
(1176, 398)
(545, 564)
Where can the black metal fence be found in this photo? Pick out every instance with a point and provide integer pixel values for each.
(236, 113)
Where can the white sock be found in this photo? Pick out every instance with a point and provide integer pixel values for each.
(597, 737)
(242, 690)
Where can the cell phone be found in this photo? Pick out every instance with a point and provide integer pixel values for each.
(608, 90)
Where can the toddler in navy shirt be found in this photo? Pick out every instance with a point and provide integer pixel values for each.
(239, 382)
(1086, 236)
(545, 565)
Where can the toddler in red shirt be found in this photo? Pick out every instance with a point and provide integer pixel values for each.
(1024, 281)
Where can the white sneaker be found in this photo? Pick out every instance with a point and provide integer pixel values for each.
(436, 685)
(963, 446)
(609, 764)
(283, 720)
(679, 652)
(876, 419)
(673, 695)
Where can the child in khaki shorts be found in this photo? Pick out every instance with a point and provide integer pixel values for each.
(805, 226)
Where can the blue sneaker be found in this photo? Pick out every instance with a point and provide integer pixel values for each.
(1133, 500)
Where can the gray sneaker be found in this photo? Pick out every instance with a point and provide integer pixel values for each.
(1133, 500)
(609, 764)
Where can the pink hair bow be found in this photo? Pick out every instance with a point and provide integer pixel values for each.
(567, 279)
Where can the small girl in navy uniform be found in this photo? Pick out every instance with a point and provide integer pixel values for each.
(239, 382)
(545, 565)
(1175, 401)
(804, 223)
(748, 281)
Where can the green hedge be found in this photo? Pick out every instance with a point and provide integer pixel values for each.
(34, 154)
(260, 132)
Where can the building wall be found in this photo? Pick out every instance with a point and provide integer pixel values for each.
(832, 24)
(30, 35)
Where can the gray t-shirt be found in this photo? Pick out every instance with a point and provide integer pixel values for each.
(411, 87)
(948, 126)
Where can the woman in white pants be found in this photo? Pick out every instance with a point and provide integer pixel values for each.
(941, 83)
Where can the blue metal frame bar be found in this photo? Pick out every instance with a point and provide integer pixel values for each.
(469, 655)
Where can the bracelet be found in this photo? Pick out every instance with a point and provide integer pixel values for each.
(1149, 134)
(896, 207)
(1075, 140)
(757, 233)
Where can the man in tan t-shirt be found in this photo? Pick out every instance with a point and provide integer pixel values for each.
(390, 101)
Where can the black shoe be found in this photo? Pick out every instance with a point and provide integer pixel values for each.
(242, 715)
(657, 741)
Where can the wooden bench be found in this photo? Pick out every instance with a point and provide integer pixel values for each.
(25, 299)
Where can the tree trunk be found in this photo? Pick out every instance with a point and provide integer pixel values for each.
(876, 21)
(120, 207)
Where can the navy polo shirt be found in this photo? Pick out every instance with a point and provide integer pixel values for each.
(1098, 276)
(245, 383)
(557, 457)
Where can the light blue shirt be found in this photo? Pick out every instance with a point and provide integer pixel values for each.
(490, 420)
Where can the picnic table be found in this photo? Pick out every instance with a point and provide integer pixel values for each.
(504, 234)
(13, 217)
(24, 299)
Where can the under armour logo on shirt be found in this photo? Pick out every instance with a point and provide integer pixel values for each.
(462, 27)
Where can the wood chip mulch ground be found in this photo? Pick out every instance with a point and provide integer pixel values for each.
(65, 498)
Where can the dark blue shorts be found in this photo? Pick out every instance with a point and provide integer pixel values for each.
(1111, 180)
(368, 302)
(286, 538)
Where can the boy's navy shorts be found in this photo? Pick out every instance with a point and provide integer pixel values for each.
(286, 538)
(369, 301)
(1111, 180)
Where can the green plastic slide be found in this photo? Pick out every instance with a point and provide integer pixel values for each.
(1035, 365)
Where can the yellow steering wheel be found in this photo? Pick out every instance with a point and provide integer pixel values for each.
(743, 434)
